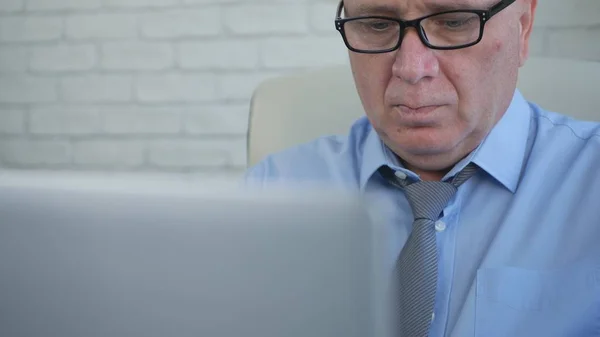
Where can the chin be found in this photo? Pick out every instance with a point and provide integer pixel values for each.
(424, 150)
(424, 140)
(423, 143)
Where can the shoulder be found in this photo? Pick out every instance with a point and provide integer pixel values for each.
(557, 127)
(567, 147)
(325, 159)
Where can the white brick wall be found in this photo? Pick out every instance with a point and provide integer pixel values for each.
(49, 5)
(13, 121)
(11, 5)
(164, 85)
(100, 26)
(30, 28)
(98, 88)
(135, 55)
(60, 57)
(24, 88)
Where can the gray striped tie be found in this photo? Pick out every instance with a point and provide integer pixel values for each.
(416, 267)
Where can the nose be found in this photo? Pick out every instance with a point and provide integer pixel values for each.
(414, 61)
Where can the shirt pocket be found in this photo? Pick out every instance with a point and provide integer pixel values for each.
(520, 302)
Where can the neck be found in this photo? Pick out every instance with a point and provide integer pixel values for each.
(434, 170)
(428, 175)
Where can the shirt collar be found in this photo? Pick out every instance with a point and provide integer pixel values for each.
(501, 154)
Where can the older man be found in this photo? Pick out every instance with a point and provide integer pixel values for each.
(492, 203)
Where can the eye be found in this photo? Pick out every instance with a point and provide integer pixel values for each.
(455, 22)
(375, 25)
(379, 25)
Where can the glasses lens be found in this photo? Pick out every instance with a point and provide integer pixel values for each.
(372, 34)
(452, 29)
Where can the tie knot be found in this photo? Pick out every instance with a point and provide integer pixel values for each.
(429, 198)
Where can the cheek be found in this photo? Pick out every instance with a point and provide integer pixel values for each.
(372, 76)
(476, 73)
(498, 46)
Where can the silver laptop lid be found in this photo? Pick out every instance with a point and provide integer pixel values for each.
(84, 260)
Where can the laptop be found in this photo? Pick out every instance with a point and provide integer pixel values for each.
(100, 257)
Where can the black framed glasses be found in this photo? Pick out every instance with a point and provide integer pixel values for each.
(446, 30)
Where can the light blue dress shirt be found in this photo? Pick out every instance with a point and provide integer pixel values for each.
(519, 245)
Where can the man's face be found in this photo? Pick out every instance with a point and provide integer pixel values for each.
(432, 107)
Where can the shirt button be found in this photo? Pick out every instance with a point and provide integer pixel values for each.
(432, 316)
(440, 226)
(400, 175)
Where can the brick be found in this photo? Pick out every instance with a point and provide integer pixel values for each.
(179, 24)
(12, 120)
(101, 26)
(321, 17)
(18, 152)
(176, 88)
(14, 59)
(241, 86)
(96, 88)
(228, 54)
(141, 120)
(575, 43)
(59, 120)
(27, 89)
(105, 119)
(11, 5)
(63, 58)
(108, 153)
(132, 55)
(198, 154)
(30, 29)
(266, 19)
(43, 5)
(204, 2)
(571, 13)
(303, 52)
(139, 3)
(230, 119)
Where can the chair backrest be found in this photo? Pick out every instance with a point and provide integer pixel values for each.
(293, 109)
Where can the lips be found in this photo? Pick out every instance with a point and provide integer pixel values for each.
(418, 109)
(422, 116)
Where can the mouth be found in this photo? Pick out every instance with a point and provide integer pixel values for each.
(421, 116)
(425, 109)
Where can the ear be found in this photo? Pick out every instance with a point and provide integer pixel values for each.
(525, 28)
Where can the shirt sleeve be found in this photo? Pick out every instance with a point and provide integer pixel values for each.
(258, 175)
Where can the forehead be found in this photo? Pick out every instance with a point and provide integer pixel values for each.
(357, 7)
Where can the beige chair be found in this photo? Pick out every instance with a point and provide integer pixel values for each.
(290, 110)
